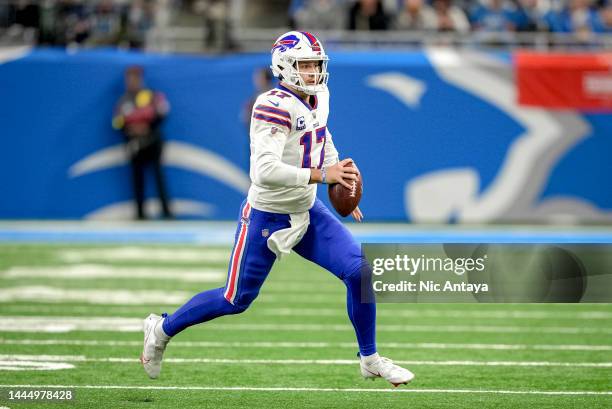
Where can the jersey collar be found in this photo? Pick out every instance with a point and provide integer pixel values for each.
(306, 104)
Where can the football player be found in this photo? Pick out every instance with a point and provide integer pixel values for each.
(291, 152)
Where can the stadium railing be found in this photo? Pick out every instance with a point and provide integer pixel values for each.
(256, 39)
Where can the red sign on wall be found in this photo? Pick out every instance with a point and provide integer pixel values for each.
(581, 81)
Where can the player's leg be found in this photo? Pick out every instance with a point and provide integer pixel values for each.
(138, 180)
(329, 244)
(250, 263)
(249, 266)
(156, 154)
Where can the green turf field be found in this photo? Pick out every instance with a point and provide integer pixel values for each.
(80, 307)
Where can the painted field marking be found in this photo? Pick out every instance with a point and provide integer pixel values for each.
(421, 313)
(332, 312)
(82, 358)
(42, 294)
(92, 296)
(294, 389)
(147, 254)
(350, 345)
(118, 324)
(25, 365)
(274, 295)
(98, 271)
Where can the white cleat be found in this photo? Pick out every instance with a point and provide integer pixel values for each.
(154, 346)
(381, 367)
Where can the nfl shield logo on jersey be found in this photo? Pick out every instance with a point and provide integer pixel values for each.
(301, 124)
(265, 233)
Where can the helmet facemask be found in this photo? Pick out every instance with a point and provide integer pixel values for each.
(321, 77)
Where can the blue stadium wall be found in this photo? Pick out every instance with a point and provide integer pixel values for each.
(437, 134)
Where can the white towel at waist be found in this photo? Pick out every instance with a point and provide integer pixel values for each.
(282, 241)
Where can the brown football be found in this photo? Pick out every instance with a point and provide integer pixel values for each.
(345, 200)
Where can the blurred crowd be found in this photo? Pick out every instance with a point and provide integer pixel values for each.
(67, 22)
(126, 23)
(461, 16)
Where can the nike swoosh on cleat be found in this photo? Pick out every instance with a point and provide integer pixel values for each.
(375, 374)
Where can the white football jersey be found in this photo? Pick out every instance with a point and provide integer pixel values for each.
(288, 137)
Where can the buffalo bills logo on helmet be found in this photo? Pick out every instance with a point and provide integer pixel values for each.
(285, 43)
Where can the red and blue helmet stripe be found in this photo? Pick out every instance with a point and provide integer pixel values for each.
(314, 42)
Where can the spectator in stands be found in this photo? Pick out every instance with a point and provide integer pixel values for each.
(494, 16)
(48, 19)
(72, 24)
(27, 15)
(320, 15)
(578, 18)
(22, 18)
(138, 115)
(415, 15)
(139, 20)
(367, 15)
(530, 16)
(217, 25)
(5, 11)
(449, 17)
(105, 24)
(604, 19)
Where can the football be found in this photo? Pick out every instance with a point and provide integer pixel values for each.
(345, 200)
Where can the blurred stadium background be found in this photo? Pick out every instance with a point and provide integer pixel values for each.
(471, 121)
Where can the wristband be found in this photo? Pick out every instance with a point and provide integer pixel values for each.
(323, 176)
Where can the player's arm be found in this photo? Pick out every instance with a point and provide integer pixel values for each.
(337, 173)
(270, 129)
(331, 154)
(118, 118)
(162, 106)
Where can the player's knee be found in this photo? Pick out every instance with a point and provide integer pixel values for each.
(239, 306)
(238, 309)
(360, 271)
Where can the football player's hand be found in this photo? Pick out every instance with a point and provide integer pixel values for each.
(341, 173)
(357, 215)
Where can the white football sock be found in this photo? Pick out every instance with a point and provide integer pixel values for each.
(159, 331)
(370, 358)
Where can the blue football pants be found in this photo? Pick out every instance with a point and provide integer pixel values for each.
(326, 242)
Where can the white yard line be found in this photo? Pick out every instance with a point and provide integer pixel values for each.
(100, 271)
(93, 296)
(42, 294)
(350, 345)
(21, 365)
(408, 311)
(294, 389)
(117, 324)
(417, 328)
(82, 358)
(146, 254)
